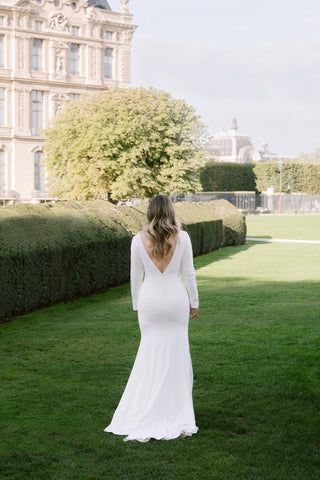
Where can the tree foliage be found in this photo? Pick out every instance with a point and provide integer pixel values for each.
(313, 157)
(132, 142)
(297, 177)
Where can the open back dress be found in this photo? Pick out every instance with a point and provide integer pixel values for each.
(157, 401)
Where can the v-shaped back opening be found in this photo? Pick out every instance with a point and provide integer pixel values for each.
(150, 258)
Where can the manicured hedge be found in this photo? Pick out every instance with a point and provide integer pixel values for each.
(206, 235)
(227, 177)
(234, 222)
(53, 253)
(47, 259)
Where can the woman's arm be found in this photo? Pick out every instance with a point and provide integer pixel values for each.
(136, 272)
(189, 276)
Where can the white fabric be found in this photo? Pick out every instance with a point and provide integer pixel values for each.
(157, 401)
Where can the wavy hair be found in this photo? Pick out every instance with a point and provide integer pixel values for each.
(161, 225)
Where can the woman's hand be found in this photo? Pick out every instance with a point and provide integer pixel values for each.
(193, 312)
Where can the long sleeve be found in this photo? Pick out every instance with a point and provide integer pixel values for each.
(189, 274)
(136, 272)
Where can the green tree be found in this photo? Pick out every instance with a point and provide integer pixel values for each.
(125, 143)
(297, 177)
(310, 157)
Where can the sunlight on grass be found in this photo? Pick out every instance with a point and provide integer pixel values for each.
(297, 227)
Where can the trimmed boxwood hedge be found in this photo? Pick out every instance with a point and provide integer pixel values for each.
(57, 252)
(227, 177)
(234, 222)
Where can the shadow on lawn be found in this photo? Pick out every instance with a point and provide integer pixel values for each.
(255, 354)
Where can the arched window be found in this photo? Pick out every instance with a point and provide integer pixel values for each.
(2, 170)
(39, 171)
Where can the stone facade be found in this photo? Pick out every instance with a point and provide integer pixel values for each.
(52, 51)
(233, 146)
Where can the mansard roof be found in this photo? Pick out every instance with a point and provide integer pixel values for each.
(103, 4)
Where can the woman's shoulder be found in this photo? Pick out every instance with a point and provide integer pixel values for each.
(136, 238)
(183, 236)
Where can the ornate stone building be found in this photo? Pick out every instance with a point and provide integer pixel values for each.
(233, 146)
(52, 51)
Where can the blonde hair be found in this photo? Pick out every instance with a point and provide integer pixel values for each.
(161, 225)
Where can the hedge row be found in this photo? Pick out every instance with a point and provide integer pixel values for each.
(297, 177)
(53, 253)
(227, 177)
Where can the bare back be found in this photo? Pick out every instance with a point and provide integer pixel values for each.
(160, 263)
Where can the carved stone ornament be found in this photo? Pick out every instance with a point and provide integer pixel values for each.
(23, 3)
(126, 36)
(59, 57)
(59, 102)
(58, 23)
(60, 45)
(20, 53)
(93, 14)
(21, 109)
(93, 62)
(124, 6)
(60, 62)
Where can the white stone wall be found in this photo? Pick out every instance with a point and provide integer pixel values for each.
(18, 139)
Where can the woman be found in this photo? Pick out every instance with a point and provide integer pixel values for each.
(157, 401)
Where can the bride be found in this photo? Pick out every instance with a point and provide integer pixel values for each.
(157, 401)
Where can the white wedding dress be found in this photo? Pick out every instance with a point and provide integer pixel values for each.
(157, 401)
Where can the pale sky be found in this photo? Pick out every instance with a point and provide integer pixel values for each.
(255, 60)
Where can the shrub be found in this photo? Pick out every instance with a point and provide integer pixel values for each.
(46, 259)
(297, 177)
(227, 177)
(234, 222)
(53, 253)
(206, 234)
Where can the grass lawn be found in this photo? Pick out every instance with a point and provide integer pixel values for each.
(296, 227)
(256, 357)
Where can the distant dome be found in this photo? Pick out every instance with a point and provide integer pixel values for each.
(103, 4)
(233, 146)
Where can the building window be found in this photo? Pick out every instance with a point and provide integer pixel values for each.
(39, 172)
(75, 31)
(1, 21)
(108, 60)
(74, 96)
(1, 50)
(38, 26)
(74, 59)
(37, 55)
(37, 107)
(74, 5)
(57, 3)
(108, 35)
(2, 107)
(2, 170)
